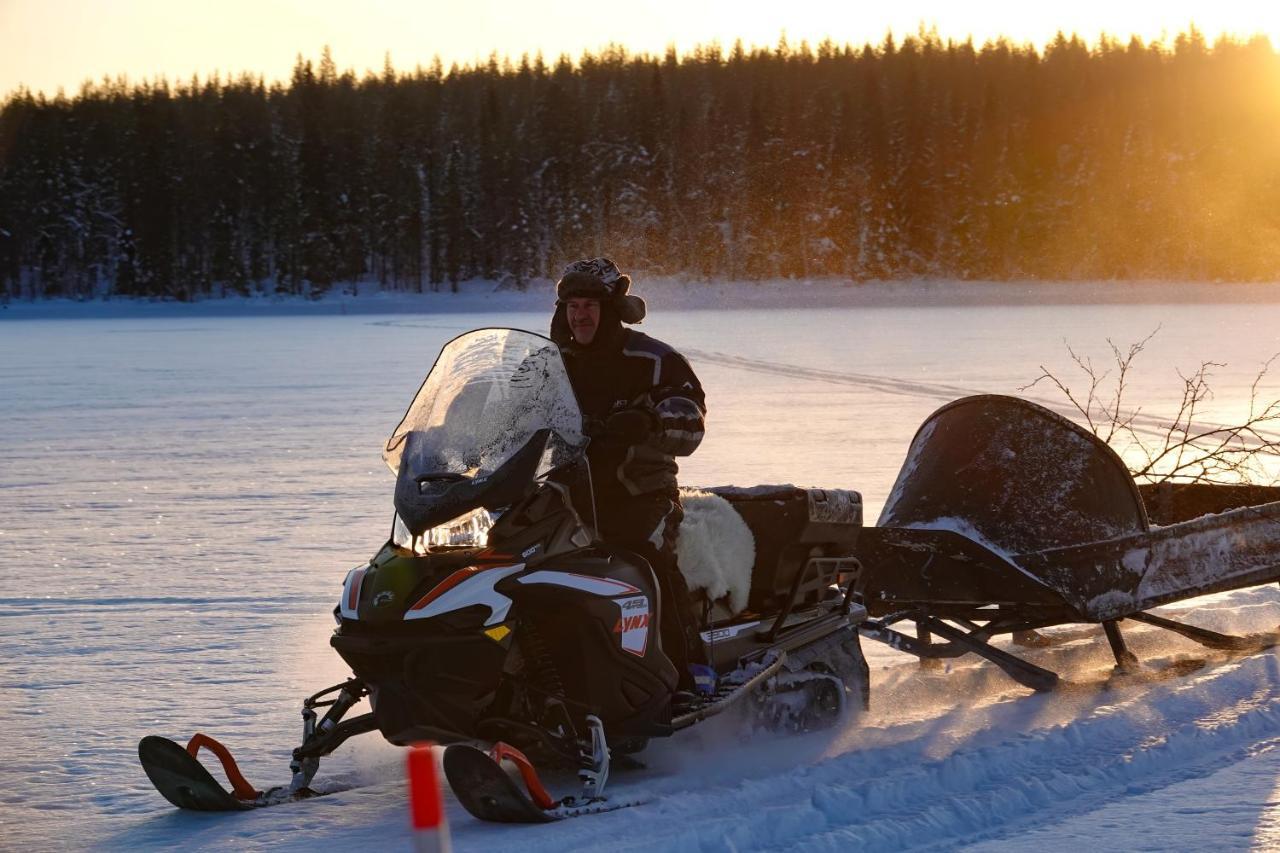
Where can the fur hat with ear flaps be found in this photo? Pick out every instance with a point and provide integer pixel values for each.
(600, 278)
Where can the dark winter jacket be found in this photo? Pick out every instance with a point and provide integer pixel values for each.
(625, 368)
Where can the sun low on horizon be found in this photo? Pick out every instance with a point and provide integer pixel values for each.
(47, 45)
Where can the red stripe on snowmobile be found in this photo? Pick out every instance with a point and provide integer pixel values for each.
(353, 598)
(537, 792)
(450, 582)
(242, 789)
(487, 556)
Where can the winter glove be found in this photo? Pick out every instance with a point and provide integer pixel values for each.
(631, 426)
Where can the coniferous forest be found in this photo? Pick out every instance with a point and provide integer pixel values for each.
(1118, 160)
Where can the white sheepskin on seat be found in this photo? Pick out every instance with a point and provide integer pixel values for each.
(715, 551)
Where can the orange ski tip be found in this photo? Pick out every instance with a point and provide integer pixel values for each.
(527, 773)
(241, 788)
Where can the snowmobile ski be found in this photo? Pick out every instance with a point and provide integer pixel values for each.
(183, 780)
(485, 789)
(489, 794)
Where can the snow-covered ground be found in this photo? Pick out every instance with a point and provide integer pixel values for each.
(182, 489)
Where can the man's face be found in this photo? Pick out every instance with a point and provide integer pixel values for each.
(584, 318)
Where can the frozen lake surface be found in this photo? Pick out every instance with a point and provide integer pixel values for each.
(183, 489)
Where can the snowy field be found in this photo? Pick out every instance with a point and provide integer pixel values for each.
(182, 489)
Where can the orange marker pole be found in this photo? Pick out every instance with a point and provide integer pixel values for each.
(426, 802)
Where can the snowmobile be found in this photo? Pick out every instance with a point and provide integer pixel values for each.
(1008, 517)
(495, 614)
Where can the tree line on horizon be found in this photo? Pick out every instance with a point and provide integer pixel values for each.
(923, 158)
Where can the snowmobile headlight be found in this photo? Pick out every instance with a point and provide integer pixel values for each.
(470, 530)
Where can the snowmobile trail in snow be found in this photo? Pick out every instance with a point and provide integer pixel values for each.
(1146, 424)
(886, 384)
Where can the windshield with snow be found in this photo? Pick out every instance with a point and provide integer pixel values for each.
(489, 392)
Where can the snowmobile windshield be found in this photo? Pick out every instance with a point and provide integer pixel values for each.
(495, 411)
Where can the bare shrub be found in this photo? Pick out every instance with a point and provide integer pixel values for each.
(1185, 449)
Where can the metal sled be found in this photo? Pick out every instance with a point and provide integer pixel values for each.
(1008, 517)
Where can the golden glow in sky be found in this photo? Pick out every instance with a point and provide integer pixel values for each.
(47, 44)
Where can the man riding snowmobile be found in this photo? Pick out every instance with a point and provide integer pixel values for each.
(644, 406)
(505, 609)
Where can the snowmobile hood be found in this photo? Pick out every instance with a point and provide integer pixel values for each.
(495, 412)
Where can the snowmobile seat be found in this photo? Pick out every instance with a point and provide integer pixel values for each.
(795, 530)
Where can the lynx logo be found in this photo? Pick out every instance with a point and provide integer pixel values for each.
(384, 598)
(633, 624)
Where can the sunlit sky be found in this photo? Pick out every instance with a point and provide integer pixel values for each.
(47, 44)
